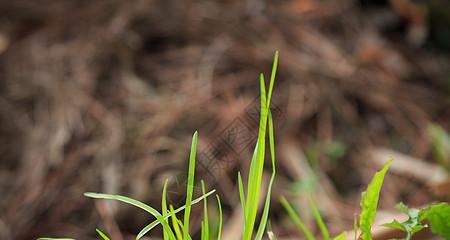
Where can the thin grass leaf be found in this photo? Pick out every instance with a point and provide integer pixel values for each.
(272, 78)
(265, 214)
(241, 192)
(293, 215)
(155, 223)
(124, 199)
(205, 235)
(190, 185)
(369, 203)
(256, 169)
(219, 234)
(176, 227)
(133, 202)
(164, 206)
(341, 236)
(323, 228)
(101, 234)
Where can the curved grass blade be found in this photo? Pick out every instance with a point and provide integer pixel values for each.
(133, 202)
(219, 234)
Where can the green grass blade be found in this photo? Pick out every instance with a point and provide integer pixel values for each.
(164, 205)
(272, 78)
(256, 169)
(241, 191)
(265, 214)
(341, 236)
(101, 234)
(155, 223)
(133, 202)
(124, 199)
(257, 163)
(202, 231)
(219, 234)
(176, 226)
(190, 185)
(369, 203)
(205, 214)
(293, 215)
(323, 228)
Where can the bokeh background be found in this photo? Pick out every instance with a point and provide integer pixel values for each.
(105, 96)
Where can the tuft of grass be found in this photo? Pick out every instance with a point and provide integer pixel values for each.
(178, 230)
(250, 205)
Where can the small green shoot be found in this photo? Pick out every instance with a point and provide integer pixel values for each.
(257, 165)
(369, 203)
(410, 226)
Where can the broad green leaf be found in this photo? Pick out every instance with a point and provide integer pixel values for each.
(438, 217)
(101, 234)
(369, 203)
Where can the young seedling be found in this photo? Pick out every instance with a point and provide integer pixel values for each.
(369, 203)
(437, 216)
(174, 228)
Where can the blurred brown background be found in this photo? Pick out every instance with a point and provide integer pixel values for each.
(105, 95)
